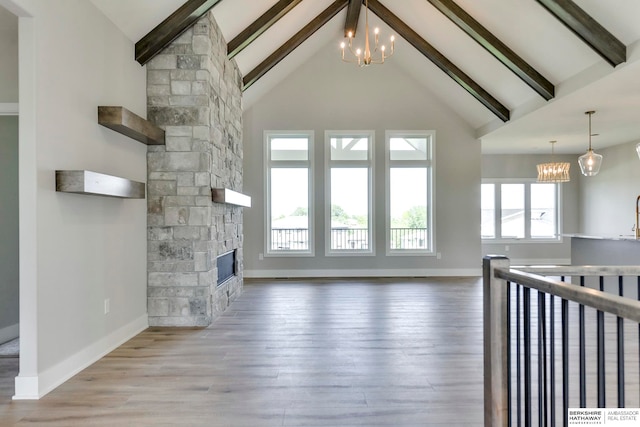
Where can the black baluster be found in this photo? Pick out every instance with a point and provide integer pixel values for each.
(542, 361)
(552, 357)
(620, 349)
(600, 369)
(565, 361)
(518, 363)
(583, 356)
(509, 370)
(527, 356)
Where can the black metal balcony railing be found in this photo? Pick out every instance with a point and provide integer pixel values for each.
(349, 238)
(290, 239)
(409, 238)
(297, 239)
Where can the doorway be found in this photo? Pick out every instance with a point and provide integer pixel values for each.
(9, 222)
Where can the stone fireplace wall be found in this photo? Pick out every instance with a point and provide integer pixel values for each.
(194, 93)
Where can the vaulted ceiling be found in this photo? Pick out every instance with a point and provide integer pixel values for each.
(521, 72)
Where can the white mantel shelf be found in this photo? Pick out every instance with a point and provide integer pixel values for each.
(230, 197)
(98, 184)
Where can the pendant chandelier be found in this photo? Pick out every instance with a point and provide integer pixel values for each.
(366, 57)
(591, 161)
(553, 171)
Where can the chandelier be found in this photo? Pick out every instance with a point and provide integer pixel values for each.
(553, 171)
(591, 161)
(366, 57)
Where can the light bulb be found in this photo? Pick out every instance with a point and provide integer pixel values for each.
(350, 34)
(376, 30)
(342, 45)
(393, 38)
(382, 48)
(358, 52)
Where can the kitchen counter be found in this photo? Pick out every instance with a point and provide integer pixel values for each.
(604, 250)
(630, 237)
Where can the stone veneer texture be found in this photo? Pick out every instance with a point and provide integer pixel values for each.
(194, 93)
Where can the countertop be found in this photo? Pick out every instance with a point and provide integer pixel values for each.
(625, 237)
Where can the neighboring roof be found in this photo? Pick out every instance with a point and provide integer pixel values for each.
(583, 80)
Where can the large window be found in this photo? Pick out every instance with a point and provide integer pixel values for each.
(289, 219)
(349, 199)
(521, 210)
(409, 192)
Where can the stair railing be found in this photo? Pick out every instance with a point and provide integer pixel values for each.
(523, 338)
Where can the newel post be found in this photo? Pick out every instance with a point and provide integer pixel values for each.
(495, 318)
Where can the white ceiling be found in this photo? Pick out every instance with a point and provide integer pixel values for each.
(583, 80)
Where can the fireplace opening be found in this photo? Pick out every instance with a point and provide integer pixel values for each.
(226, 267)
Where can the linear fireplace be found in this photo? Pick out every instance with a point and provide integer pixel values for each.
(226, 266)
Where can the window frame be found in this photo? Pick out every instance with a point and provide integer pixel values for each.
(527, 182)
(370, 164)
(429, 164)
(268, 165)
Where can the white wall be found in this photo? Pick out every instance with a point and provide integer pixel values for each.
(9, 56)
(86, 248)
(326, 94)
(9, 272)
(608, 200)
(524, 166)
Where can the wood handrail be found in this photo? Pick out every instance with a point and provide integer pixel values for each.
(603, 301)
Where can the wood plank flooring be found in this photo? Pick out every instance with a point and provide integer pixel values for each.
(379, 352)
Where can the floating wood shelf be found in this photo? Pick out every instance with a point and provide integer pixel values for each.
(127, 123)
(87, 182)
(224, 195)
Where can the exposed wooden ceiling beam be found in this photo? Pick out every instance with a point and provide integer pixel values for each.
(588, 29)
(259, 26)
(353, 13)
(293, 43)
(169, 29)
(440, 60)
(498, 49)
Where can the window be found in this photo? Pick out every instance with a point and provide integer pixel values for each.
(520, 211)
(409, 192)
(288, 166)
(349, 198)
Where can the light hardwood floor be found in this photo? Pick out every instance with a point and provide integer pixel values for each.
(380, 352)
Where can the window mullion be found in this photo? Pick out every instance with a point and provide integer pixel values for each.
(527, 210)
(498, 210)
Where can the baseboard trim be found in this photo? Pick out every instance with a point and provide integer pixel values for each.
(540, 261)
(9, 109)
(418, 272)
(26, 388)
(9, 333)
(31, 388)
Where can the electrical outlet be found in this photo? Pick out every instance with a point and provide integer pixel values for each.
(107, 306)
(506, 248)
(438, 255)
(260, 256)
